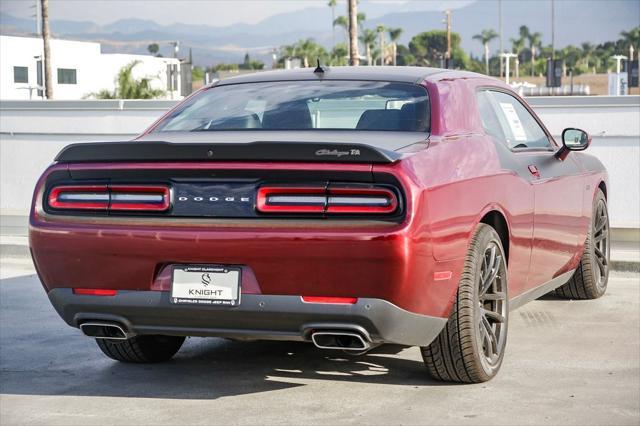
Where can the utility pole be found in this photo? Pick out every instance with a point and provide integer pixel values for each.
(553, 30)
(500, 31)
(48, 88)
(353, 33)
(447, 60)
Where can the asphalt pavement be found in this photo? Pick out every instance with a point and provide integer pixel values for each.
(567, 362)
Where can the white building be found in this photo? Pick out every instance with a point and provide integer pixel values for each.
(78, 69)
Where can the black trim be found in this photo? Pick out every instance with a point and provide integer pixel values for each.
(257, 316)
(254, 151)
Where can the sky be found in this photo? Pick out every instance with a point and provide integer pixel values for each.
(206, 12)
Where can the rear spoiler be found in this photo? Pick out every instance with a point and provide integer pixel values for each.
(254, 151)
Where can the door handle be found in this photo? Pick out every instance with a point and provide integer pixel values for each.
(534, 170)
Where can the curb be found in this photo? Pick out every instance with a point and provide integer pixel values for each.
(624, 266)
(14, 250)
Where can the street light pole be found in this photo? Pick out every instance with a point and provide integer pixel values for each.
(553, 30)
(500, 31)
(447, 62)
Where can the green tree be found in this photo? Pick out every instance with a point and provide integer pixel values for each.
(485, 38)
(339, 55)
(404, 55)
(394, 35)
(587, 52)
(517, 44)
(368, 39)
(535, 41)
(307, 50)
(153, 48)
(332, 4)
(380, 29)
(197, 73)
(128, 87)
(429, 48)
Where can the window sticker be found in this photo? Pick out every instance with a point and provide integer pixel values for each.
(514, 121)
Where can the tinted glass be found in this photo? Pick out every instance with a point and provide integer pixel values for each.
(20, 74)
(66, 76)
(304, 105)
(505, 118)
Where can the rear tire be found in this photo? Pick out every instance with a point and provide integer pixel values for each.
(471, 346)
(141, 349)
(589, 281)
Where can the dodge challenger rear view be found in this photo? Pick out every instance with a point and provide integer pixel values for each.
(348, 207)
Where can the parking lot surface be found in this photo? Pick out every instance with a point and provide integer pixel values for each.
(567, 362)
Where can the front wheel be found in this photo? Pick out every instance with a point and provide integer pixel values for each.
(471, 346)
(589, 281)
(141, 349)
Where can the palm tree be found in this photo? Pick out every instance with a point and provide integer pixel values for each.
(332, 4)
(517, 44)
(394, 35)
(587, 52)
(309, 49)
(128, 87)
(343, 21)
(485, 37)
(535, 40)
(380, 29)
(354, 58)
(368, 39)
(46, 35)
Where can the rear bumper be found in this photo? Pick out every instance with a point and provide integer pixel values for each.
(257, 317)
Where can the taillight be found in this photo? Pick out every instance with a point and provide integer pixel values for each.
(361, 200)
(330, 200)
(291, 199)
(145, 198)
(86, 197)
(110, 197)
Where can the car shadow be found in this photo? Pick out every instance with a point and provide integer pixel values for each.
(40, 355)
(213, 368)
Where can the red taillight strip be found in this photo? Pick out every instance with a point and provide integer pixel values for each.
(110, 197)
(340, 200)
(335, 300)
(147, 198)
(367, 195)
(263, 205)
(88, 197)
(94, 292)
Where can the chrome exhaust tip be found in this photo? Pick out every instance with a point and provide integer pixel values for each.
(342, 340)
(104, 330)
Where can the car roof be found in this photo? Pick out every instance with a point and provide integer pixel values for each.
(367, 73)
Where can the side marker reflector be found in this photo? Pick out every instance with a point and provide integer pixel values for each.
(94, 292)
(338, 300)
(442, 275)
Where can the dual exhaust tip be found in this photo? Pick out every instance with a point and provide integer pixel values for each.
(345, 340)
(104, 330)
(342, 340)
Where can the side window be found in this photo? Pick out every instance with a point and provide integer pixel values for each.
(518, 127)
(490, 122)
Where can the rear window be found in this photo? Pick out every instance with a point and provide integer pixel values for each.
(304, 105)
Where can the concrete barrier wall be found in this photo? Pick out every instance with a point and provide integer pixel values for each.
(32, 133)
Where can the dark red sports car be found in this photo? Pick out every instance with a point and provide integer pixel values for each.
(349, 207)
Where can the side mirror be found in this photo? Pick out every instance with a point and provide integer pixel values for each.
(573, 140)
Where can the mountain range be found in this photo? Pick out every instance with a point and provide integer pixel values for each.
(576, 21)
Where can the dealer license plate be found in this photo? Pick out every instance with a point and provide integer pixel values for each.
(206, 285)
